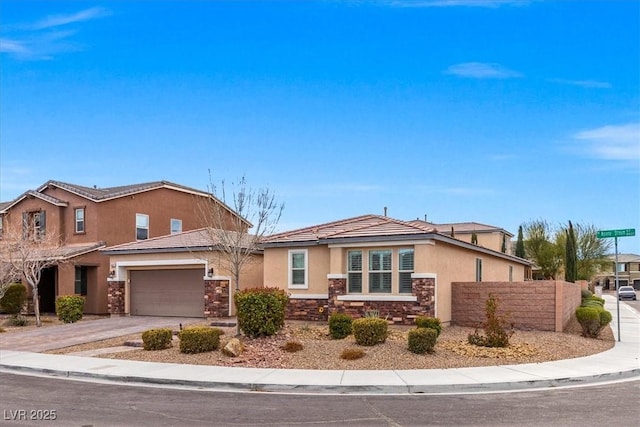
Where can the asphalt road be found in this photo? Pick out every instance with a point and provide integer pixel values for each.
(26, 401)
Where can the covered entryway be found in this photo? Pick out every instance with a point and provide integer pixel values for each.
(178, 292)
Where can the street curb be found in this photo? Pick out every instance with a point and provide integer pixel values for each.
(333, 389)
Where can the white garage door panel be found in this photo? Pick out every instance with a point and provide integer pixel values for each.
(167, 293)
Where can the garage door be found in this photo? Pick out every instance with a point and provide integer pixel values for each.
(167, 293)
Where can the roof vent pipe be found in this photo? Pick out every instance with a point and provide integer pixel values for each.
(385, 211)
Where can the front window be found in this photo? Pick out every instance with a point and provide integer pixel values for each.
(33, 225)
(80, 220)
(380, 271)
(176, 226)
(81, 281)
(298, 269)
(405, 269)
(142, 226)
(478, 270)
(354, 273)
(622, 267)
(511, 273)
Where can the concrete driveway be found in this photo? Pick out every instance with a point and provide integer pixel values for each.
(53, 337)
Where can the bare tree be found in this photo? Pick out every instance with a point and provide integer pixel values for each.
(238, 225)
(25, 256)
(8, 276)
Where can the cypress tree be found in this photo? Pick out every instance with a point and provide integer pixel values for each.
(520, 244)
(571, 256)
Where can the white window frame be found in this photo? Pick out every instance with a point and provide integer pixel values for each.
(177, 222)
(146, 217)
(381, 272)
(290, 268)
(400, 271)
(82, 221)
(360, 272)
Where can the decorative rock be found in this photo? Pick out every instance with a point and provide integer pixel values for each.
(233, 348)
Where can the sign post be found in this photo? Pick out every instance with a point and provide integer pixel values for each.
(607, 234)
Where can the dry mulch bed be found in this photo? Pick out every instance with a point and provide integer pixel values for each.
(321, 352)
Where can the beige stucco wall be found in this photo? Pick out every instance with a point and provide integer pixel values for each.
(448, 263)
(455, 264)
(276, 266)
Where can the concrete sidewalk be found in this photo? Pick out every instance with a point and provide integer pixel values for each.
(620, 363)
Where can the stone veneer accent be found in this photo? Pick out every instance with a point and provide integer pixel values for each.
(115, 298)
(307, 309)
(216, 298)
(398, 312)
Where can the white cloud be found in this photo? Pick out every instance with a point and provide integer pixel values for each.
(44, 39)
(58, 20)
(595, 84)
(460, 3)
(13, 46)
(612, 142)
(481, 70)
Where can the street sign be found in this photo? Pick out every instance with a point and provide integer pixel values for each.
(627, 232)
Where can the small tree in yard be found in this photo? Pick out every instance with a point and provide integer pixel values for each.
(238, 233)
(26, 255)
(496, 327)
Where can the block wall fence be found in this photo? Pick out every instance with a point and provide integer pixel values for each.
(545, 305)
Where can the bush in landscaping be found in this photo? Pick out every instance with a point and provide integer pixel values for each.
(17, 320)
(352, 354)
(429, 322)
(497, 329)
(292, 346)
(14, 299)
(261, 311)
(592, 320)
(586, 293)
(340, 325)
(199, 339)
(69, 308)
(157, 339)
(369, 331)
(422, 340)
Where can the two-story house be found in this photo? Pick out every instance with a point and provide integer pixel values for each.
(86, 219)
(628, 268)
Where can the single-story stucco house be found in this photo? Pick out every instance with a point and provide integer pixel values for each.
(401, 269)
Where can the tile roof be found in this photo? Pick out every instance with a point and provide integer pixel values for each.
(199, 239)
(463, 227)
(64, 252)
(99, 194)
(361, 226)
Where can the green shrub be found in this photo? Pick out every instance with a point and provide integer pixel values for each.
(422, 340)
(292, 346)
(585, 293)
(592, 320)
(199, 339)
(497, 329)
(429, 322)
(261, 311)
(340, 325)
(14, 299)
(69, 308)
(17, 320)
(352, 354)
(369, 331)
(157, 339)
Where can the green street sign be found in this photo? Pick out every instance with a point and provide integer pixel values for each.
(627, 232)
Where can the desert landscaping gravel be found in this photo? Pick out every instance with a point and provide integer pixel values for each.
(321, 352)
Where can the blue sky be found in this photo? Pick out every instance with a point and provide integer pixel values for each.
(496, 111)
